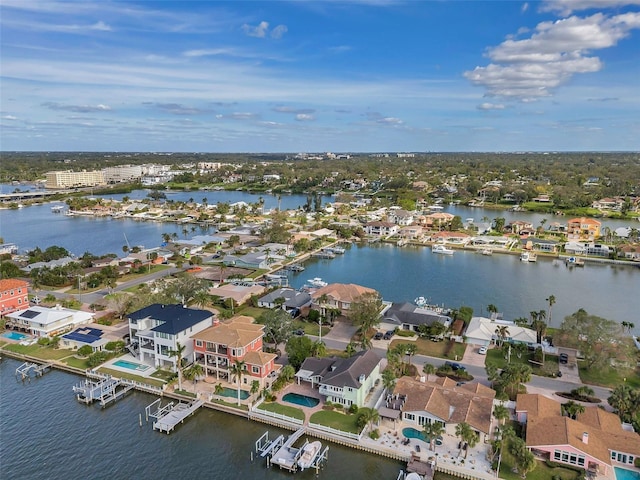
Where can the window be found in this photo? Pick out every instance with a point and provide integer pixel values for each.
(198, 343)
(255, 369)
(410, 416)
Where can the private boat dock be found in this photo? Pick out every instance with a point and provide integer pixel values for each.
(281, 452)
(105, 390)
(169, 416)
(25, 370)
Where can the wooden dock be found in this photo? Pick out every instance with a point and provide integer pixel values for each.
(282, 453)
(425, 469)
(169, 416)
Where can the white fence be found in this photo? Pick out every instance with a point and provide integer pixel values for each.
(334, 431)
(279, 416)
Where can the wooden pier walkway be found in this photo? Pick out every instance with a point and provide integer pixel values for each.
(168, 417)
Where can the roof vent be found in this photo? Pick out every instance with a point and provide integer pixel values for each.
(361, 378)
(585, 438)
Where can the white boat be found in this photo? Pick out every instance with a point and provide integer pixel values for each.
(309, 453)
(420, 301)
(442, 250)
(487, 251)
(528, 257)
(57, 208)
(317, 282)
(413, 476)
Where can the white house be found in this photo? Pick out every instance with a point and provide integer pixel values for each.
(157, 329)
(48, 322)
(482, 331)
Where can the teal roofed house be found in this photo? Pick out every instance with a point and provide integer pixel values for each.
(346, 381)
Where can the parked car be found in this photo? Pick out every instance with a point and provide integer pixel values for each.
(482, 350)
(455, 366)
(299, 332)
(378, 336)
(563, 358)
(388, 335)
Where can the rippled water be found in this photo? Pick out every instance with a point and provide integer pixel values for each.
(45, 434)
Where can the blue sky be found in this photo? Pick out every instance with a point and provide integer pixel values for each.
(305, 76)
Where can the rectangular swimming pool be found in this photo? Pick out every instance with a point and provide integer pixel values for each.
(131, 365)
(624, 474)
(233, 393)
(15, 336)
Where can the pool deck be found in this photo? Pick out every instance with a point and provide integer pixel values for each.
(130, 358)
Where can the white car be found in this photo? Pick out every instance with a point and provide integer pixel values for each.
(482, 350)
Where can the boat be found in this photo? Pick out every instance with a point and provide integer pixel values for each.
(528, 257)
(486, 251)
(420, 302)
(317, 282)
(442, 250)
(338, 250)
(309, 453)
(57, 208)
(574, 262)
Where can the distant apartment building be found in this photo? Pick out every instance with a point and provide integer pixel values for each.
(13, 295)
(122, 173)
(209, 165)
(70, 179)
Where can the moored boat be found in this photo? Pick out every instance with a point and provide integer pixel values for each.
(442, 250)
(309, 453)
(528, 257)
(317, 282)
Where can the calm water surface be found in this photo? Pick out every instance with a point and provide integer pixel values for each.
(47, 435)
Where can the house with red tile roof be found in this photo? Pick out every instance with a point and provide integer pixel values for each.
(240, 339)
(14, 295)
(583, 229)
(595, 440)
(339, 296)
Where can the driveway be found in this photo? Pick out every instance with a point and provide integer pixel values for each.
(341, 331)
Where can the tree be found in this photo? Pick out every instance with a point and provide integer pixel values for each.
(502, 332)
(367, 416)
(493, 373)
(237, 370)
(365, 313)
(350, 349)
(410, 350)
(388, 379)
(298, 348)
(255, 387)
(193, 372)
(119, 303)
(287, 373)
(318, 349)
(433, 430)
(278, 325)
(512, 376)
(492, 309)
(428, 369)
(178, 353)
(551, 299)
(625, 401)
(466, 434)
(201, 299)
(501, 413)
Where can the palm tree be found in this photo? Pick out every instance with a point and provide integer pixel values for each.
(237, 370)
(255, 387)
(467, 434)
(389, 380)
(193, 372)
(350, 349)
(201, 298)
(552, 300)
(166, 237)
(501, 413)
(502, 332)
(411, 350)
(493, 373)
(572, 409)
(367, 416)
(492, 309)
(223, 267)
(318, 349)
(429, 369)
(178, 353)
(432, 431)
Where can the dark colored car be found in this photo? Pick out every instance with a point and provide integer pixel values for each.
(299, 332)
(455, 366)
(388, 335)
(563, 358)
(378, 336)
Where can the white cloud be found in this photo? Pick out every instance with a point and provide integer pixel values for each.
(491, 106)
(103, 27)
(525, 7)
(304, 117)
(566, 7)
(390, 121)
(285, 109)
(10, 117)
(77, 108)
(207, 52)
(530, 68)
(259, 31)
(279, 31)
(178, 109)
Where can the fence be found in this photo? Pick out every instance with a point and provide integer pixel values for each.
(335, 431)
(279, 416)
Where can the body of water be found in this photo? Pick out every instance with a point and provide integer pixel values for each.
(468, 278)
(48, 435)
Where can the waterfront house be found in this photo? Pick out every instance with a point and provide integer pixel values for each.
(85, 335)
(408, 316)
(14, 295)
(630, 252)
(381, 229)
(60, 262)
(540, 244)
(482, 331)
(519, 227)
(8, 249)
(453, 238)
(346, 381)
(583, 229)
(239, 291)
(437, 220)
(400, 216)
(157, 330)
(338, 296)
(419, 401)
(587, 248)
(291, 299)
(240, 339)
(47, 322)
(595, 440)
(411, 232)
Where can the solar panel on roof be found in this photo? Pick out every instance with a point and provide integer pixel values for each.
(29, 314)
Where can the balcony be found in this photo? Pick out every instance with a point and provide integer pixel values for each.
(331, 391)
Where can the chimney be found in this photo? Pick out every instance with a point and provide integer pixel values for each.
(585, 438)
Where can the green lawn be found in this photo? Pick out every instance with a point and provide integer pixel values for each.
(130, 376)
(434, 349)
(495, 356)
(311, 328)
(339, 421)
(275, 407)
(541, 472)
(164, 375)
(609, 377)
(254, 312)
(81, 363)
(38, 351)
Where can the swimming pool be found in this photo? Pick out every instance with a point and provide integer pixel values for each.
(624, 474)
(301, 400)
(15, 336)
(131, 365)
(233, 393)
(414, 433)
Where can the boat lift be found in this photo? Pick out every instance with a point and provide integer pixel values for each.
(25, 370)
(169, 416)
(281, 451)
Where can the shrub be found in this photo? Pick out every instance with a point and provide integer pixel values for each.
(375, 434)
(85, 351)
(636, 462)
(353, 408)
(97, 358)
(44, 341)
(405, 333)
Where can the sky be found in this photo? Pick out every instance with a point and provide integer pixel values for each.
(320, 76)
